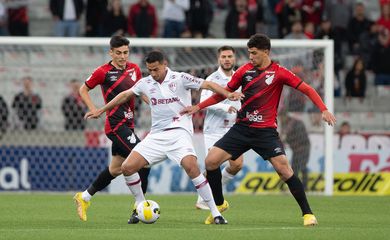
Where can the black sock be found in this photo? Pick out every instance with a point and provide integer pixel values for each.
(102, 181)
(214, 179)
(143, 175)
(296, 188)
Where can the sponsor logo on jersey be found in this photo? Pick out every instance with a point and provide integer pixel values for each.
(113, 78)
(248, 78)
(112, 72)
(156, 101)
(254, 116)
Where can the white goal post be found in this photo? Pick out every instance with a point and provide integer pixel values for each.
(326, 45)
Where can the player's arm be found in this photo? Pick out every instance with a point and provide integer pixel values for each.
(219, 106)
(316, 99)
(223, 92)
(84, 93)
(118, 100)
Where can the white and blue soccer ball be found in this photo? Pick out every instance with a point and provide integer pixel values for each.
(148, 211)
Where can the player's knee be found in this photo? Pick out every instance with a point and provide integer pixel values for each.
(193, 171)
(234, 169)
(211, 165)
(115, 171)
(126, 169)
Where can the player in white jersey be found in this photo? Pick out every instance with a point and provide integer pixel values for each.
(171, 133)
(221, 117)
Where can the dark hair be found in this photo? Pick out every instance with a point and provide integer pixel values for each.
(259, 41)
(226, 48)
(118, 41)
(155, 56)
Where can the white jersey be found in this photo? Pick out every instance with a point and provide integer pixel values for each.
(167, 99)
(218, 119)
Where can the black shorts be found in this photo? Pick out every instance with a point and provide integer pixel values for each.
(239, 139)
(123, 141)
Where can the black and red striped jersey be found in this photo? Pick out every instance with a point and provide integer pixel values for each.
(262, 89)
(112, 82)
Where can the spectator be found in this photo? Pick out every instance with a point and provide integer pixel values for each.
(114, 21)
(27, 105)
(357, 25)
(367, 43)
(312, 11)
(297, 138)
(3, 19)
(3, 117)
(355, 81)
(199, 17)
(345, 129)
(296, 101)
(288, 12)
(296, 31)
(240, 23)
(66, 16)
(95, 11)
(18, 17)
(142, 20)
(309, 30)
(384, 20)
(380, 58)
(339, 12)
(174, 17)
(73, 108)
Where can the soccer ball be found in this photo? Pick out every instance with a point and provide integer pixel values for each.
(148, 211)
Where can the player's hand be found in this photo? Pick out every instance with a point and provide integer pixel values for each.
(232, 109)
(328, 117)
(235, 96)
(189, 110)
(93, 114)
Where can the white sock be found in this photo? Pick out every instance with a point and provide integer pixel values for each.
(134, 184)
(226, 177)
(204, 191)
(86, 196)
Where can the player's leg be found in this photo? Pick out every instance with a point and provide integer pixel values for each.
(130, 167)
(282, 167)
(83, 199)
(190, 165)
(209, 140)
(231, 170)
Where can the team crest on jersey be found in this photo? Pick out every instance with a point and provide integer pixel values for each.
(152, 90)
(269, 78)
(172, 87)
(132, 75)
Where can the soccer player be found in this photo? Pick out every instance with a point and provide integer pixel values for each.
(114, 77)
(262, 82)
(170, 137)
(221, 117)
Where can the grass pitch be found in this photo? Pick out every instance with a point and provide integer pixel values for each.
(53, 216)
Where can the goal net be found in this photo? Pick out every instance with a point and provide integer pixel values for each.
(46, 145)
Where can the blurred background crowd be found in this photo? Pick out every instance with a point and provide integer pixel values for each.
(360, 30)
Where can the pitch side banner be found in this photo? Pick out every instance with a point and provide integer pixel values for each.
(50, 168)
(344, 183)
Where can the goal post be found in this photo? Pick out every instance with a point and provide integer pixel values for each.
(184, 54)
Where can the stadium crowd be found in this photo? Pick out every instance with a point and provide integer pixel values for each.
(360, 30)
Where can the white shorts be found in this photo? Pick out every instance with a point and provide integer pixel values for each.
(210, 139)
(174, 144)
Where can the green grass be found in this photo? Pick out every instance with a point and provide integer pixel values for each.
(53, 216)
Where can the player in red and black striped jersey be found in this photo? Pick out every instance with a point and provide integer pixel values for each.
(262, 82)
(114, 77)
